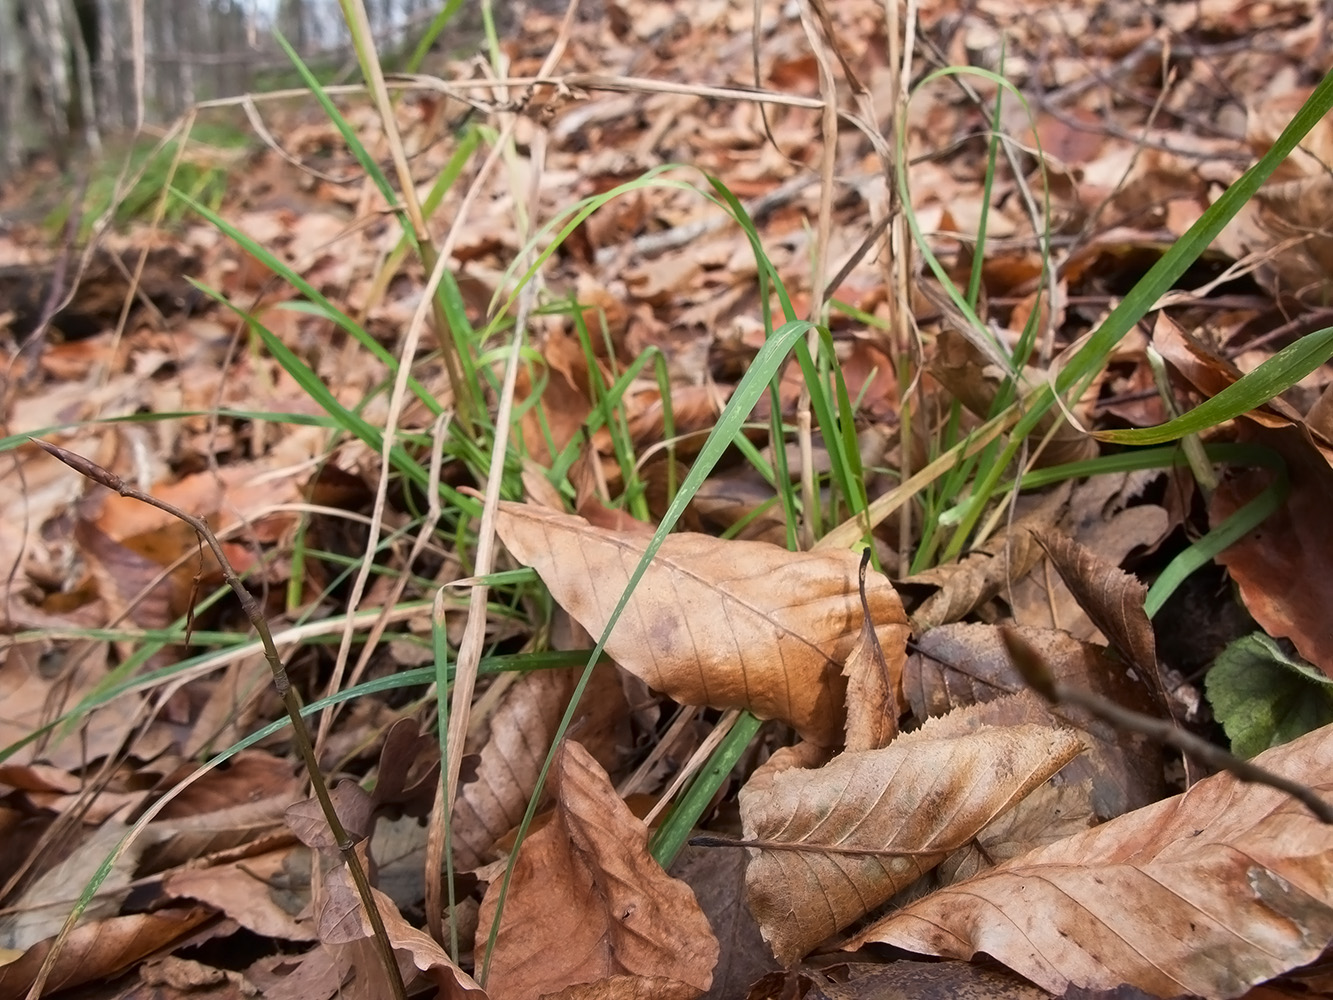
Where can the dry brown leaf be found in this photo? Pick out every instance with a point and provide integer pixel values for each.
(720, 623)
(40, 910)
(912, 803)
(962, 664)
(355, 809)
(987, 571)
(29, 697)
(1112, 598)
(100, 950)
(588, 903)
(931, 981)
(1281, 567)
(251, 891)
(1207, 893)
(874, 684)
(718, 880)
(1104, 516)
(418, 954)
(519, 733)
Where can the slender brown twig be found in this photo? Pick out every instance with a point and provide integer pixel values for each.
(1029, 663)
(290, 699)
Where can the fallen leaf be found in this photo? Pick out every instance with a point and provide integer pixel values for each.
(97, 951)
(587, 902)
(1112, 598)
(720, 623)
(40, 910)
(252, 892)
(1280, 566)
(717, 877)
(852, 833)
(961, 664)
(417, 953)
(1207, 893)
(873, 683)
(520, 732)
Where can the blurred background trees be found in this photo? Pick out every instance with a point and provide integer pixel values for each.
(73, 72)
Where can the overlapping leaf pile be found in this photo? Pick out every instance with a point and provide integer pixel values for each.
(909, 787)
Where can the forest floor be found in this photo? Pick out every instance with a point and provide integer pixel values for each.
(915, 779)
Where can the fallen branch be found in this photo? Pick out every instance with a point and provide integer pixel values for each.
(1029, 663)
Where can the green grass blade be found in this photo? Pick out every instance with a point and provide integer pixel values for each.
(1144, 296)
(1226, 534)
(675, 830)
(1279, 373)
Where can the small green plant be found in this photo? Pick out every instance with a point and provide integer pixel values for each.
(199, 163)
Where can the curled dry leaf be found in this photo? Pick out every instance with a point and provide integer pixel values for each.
(907, 806)
(1207, 893)
(1112, 598)
(988, 570)
(417, 952)
(587, 903)
(874, 683)
(720, 623)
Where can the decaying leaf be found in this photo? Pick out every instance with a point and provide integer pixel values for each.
(907, 806)
(721, 623)
(1207, 893)
(874, 683)
(99, 950)
(1281, 567)
(588, 903)
(1112, 598)
(418, 954)
(252, 892)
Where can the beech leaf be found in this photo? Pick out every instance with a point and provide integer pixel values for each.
(911, 803)
(726, 624)
(1207, 893)
(587, 903)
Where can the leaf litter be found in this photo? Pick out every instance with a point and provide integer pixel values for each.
(935, 803)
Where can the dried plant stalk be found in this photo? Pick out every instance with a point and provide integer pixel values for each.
(290, 699)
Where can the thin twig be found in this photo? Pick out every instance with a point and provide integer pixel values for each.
(290, 699)
(1029, 663)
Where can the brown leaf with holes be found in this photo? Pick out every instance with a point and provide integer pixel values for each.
(720, 623)
(908, 806)
(1207, 893)
(588, 903)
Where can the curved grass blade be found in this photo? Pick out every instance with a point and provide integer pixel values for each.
(1279, 373)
